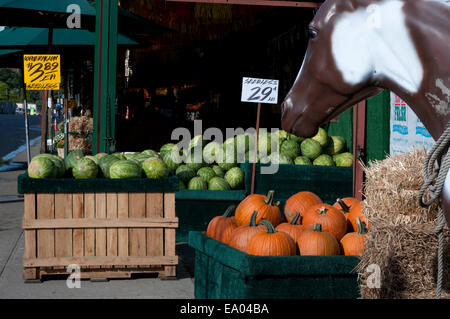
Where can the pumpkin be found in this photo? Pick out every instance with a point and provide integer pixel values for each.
(240, 236)
(300, 202)
(316, 242)
(221, 227)
(271, 242)
(331, 219)
(263, 204)
(344, 206)
(353, 243)
(293, 228)
(356, 212)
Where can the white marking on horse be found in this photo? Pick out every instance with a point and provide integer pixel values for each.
(441, 106)
(362, 51)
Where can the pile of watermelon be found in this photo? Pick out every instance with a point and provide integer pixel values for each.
(321, 149)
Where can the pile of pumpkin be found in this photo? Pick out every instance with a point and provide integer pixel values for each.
(307, 226)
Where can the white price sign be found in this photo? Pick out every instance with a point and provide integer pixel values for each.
(259, 90)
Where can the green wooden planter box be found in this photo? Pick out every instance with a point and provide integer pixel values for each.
(222, 272)
(195, 208)
(327, 182)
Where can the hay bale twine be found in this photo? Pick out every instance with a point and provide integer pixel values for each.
(401, 238)
(80, 138)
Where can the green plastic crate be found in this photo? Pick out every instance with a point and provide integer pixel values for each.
(195, 208)
(327, 182)
(222, 272)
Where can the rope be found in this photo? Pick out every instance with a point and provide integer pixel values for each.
(434, 179)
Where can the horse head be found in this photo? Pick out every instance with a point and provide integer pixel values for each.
(338, 69)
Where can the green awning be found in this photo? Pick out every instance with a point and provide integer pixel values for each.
(19, 37)
(6, 52)
(56, 6)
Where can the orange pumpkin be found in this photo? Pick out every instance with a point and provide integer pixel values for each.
(315, 242)
(356, 212)
(263, 204)
(353, 243)
(241, 236)
(271, 242)
(344, 206)
(331, 219)
(292, 228)
(300, 202)
(221, 227)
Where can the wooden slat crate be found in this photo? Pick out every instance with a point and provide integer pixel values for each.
(109, 235)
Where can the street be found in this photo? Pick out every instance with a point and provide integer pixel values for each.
(12, 131)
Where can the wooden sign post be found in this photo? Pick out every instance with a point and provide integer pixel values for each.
(259, 91)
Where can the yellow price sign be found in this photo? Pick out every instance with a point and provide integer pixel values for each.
(42, 71)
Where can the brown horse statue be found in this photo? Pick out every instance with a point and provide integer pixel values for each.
(358, 47)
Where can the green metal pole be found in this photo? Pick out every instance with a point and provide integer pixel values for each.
(105, 76)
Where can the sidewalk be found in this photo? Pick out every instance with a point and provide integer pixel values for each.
(12, 249)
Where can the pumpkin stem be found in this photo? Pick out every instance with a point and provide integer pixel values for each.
(269, 226)
(345, 207)
(361, 227)
(253, 219)
(294, 220)
(230, 211)
(322, 210)
(269, 198)
(317, 227)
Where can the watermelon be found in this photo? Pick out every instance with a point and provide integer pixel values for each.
(155, 168)
(72, 158)
(130, 155)
(60, 166)
(218, 170)
(290, 148)
(311, 148)
(197, 183)
(85, 168)
(264, 143)
(172, 159)
(212, 152)
(142, 157)
(335, 146)
(197, 141)
(42, 167)
(227, 160)
(93, 158)
(167, 147)
(343, 159)
(280, 158)
(206, 173)
(185, 173)
(324, 160)
(321, 137)
(125, 169)
(235, 177)
(105, 163)
(119, 156)
(149, 153)
(195, 160)
(100, 155)
(302, 160)
(230, 145)
(250, 157)
(295, 138)
(244, 142)
(281, 135)
(218, 184)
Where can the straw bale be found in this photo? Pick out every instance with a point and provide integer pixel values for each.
(84, 126)
(401, 238)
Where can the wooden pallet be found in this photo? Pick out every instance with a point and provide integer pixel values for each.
(109, 235)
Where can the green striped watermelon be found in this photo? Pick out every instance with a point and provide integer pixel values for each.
(185, 173)
(235, 177)
(105, 163)
(42, 167)
(218, 184)
(206, 173)
(155, 168)
(197, 183)
(125, 169)
(85, 168)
